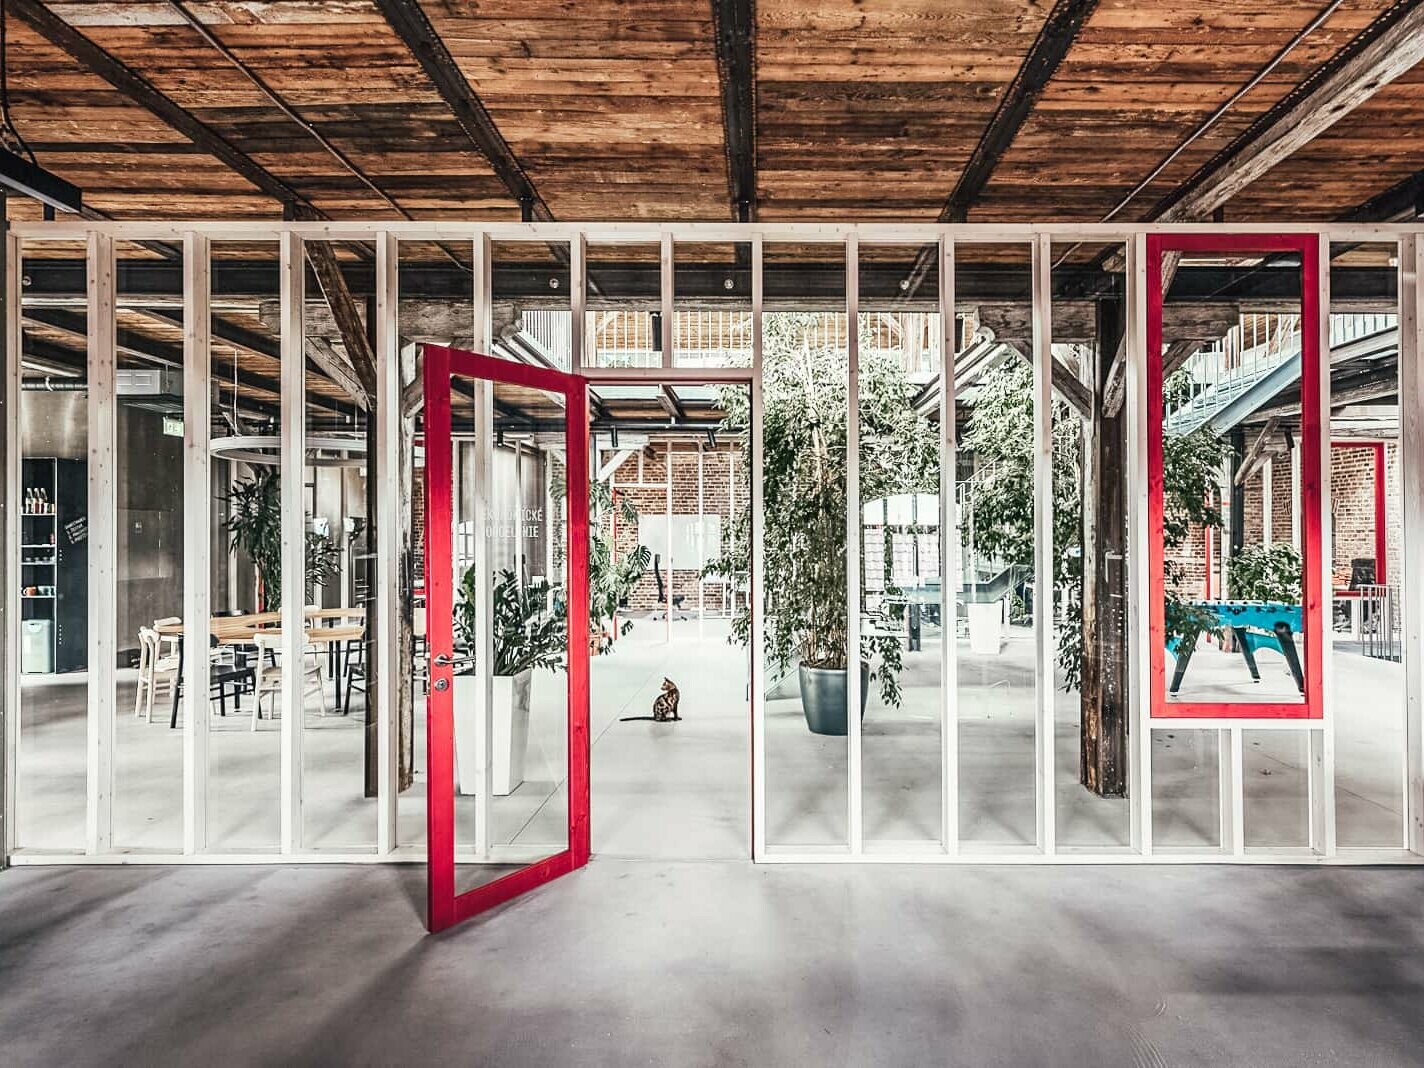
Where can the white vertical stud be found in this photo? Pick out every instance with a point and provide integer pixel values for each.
(948, 550)
(853, 538)
(1411, 407)
(103, 532)
(1320, 777)
(293, 469)
(756, 602)
(578, 303)
(197, 536)
(9, 572)
(667, 276)
(1043, 579)
(1139, 591)
(388, 460)
(484, 520)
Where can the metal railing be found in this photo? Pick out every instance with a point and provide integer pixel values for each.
(1382, 622)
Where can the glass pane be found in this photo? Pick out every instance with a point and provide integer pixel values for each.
(1090, 495)
(901, 585)
(53, 566)
(509, 491)
(148, 459)
(1235, 629)
(244, 747)
(994, 564)
(804, 391)
(712, 293)
(1275, 788)
(338, 742)
(531, 321)
(624, 320)
(1366, 510)
(1187, 780)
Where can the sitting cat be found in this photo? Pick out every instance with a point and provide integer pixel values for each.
(664, 706)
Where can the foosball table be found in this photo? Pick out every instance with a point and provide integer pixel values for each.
(1255, 625)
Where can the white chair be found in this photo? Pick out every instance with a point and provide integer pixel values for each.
(155, 668)
(172, 640)
(268, 676)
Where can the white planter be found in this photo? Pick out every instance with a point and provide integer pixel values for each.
(986, 627)
(509, 740)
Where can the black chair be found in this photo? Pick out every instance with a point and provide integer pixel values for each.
(355, 674)
(677, 598)
(239, 675)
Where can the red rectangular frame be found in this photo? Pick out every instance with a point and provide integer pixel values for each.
(1381, 536)
(1313, 590)
(445, 907)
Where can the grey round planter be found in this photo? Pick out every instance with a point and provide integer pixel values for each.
(823, 697)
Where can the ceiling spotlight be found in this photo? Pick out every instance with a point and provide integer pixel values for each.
(613, 436)
(728, 284)
(553, 283)
(711, 438)
(904, 284)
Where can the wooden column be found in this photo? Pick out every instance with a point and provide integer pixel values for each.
(1103, 690)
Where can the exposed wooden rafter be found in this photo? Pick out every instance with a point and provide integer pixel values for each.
(360, 359)
(1384, 50)
(734, 27)
(143, 92)
(411, 24)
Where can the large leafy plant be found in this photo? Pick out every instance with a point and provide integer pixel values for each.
(254, 526)
(610, 578)
(529, 627)
(804, 437)
(1266, 573)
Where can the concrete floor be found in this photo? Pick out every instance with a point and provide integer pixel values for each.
(717, 963)
(683, 791)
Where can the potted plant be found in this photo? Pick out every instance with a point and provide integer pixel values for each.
(254, 526)
(804, 429)
(529, 633)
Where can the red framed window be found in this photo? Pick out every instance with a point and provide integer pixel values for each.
(1255, 619)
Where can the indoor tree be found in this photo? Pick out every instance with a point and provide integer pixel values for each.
(804, 438)
(254, 526)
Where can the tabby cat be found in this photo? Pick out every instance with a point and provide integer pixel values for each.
(664, 705)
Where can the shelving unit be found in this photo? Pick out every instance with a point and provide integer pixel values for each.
(54, 557)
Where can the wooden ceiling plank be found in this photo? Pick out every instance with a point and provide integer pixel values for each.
(734, 29)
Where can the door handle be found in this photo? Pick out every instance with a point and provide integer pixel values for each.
(443, 660)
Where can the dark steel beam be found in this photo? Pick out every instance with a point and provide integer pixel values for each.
(1054, 39)
(409, 21)
(141, 91)
(734, 28)
(1402, 201)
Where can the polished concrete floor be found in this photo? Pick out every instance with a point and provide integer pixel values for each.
(717, 963)
(683, 791)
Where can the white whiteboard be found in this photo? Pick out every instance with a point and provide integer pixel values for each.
(696, 539)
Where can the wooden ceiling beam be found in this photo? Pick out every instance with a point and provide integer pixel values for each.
(734, 29)
(360, 361)
(410, 23)
(1379, 54)
(144, 93)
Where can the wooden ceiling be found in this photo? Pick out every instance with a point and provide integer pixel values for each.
(621, 109)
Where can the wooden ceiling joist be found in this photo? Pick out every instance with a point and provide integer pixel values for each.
(409, 21)
(1387, 48)
(143, 92)
(734, 28)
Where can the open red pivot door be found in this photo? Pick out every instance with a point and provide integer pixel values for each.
(506, 542)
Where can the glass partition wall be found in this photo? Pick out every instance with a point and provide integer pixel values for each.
(937, 438)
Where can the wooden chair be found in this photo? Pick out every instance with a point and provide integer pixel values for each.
(268, 672)
(155, 668)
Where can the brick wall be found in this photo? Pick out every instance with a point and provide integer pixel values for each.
(1352, 508)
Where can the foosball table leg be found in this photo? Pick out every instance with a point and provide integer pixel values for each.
(1184, 657)
(1247, 653)
(1286, 640)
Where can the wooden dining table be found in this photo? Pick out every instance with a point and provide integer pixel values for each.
(243, 630)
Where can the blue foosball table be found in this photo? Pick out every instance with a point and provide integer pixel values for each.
(1256, 625)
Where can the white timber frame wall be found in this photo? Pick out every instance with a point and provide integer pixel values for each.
(99, 239)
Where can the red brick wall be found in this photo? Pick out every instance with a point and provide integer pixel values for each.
(1352, 508)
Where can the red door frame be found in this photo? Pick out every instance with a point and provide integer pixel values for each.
(445, 906)
(1313, 589)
